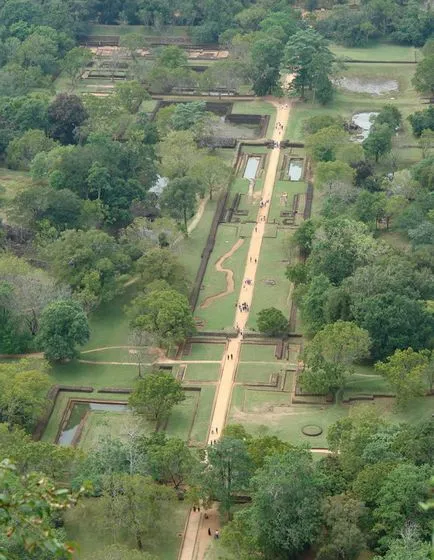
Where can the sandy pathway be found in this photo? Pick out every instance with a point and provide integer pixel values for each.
(230, 285)
(194, 547)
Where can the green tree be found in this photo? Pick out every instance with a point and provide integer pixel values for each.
(398, 501)
(301, 56)
(91, 262)
(23, 390)
(423, 79)
(179, 197)
(22, 150)
(172, 57)
(422, 120)
(341, 342)
(328, 174)
(75, 62)
(260, 448)
(272, 322)
(426, 143)
(343, 539)
(178, 153)
(228, 473)
(313, 303)
(65, 113)
(63, 327)
(379, 141)
(162, 264)
(156, 395)
(27, 504)
(171, 462)
(408, 545)
(324, 144)
(164, 313)
(284, 515)
(212, 174)
(130, 95)
(136, 506)
(405, 371)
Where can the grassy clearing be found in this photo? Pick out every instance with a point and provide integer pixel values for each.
(271, 266)
(94, 375)
(190, 249)
(202, 419)
(396, 240)
(202, 372)
(205, 351)
(252, 373)
(258, 353)
(220, 314)
(378, 52)
(122, 355)
(268, 412)
(289, 187)
(81, 526)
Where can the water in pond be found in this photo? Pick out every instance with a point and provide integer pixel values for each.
(295, 169)
(364, 121)
(77, 414)
(251, 168)
(374, 86)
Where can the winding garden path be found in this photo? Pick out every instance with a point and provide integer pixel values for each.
(230, 284)
(196, 538)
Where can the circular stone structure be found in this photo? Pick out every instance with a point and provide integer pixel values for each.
(312, 430)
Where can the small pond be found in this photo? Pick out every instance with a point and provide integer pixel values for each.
(251, 168)
(295, 169)
(364, 121)
(374, 86)
(78, 412)
(227, 129)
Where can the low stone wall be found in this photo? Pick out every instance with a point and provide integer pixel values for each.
(52, 396)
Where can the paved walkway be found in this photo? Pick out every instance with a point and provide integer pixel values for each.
(196, 538)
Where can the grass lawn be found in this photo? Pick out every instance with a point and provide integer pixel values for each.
(378, 51)
(252, 373)
(117, 355)
(256, 108)
(94, 375)
(202, 372)
(258, 353)
(271, 266)
(220, 313)
(205, 351)
(82, 527)
(202, 418)
(396, 239)
(190, 249)
(263, 412)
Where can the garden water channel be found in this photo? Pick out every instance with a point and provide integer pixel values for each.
(79, 409)
(295, 169)
(251, 167)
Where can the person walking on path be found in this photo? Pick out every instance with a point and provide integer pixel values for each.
(209, 531)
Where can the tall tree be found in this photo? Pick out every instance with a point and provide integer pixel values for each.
(63, 327)
(272, 322)
(228, 472)
(136, 506)
(379, 141)
(165, 313)
(179, 197)
(156, 395)
(75, 63)
(66, 113)
(286, 498)
(23, 390)
(405, 371)
(212, 174)
(301, 59)
(423, 79)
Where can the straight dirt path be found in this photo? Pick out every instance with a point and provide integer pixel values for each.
(196, 538)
